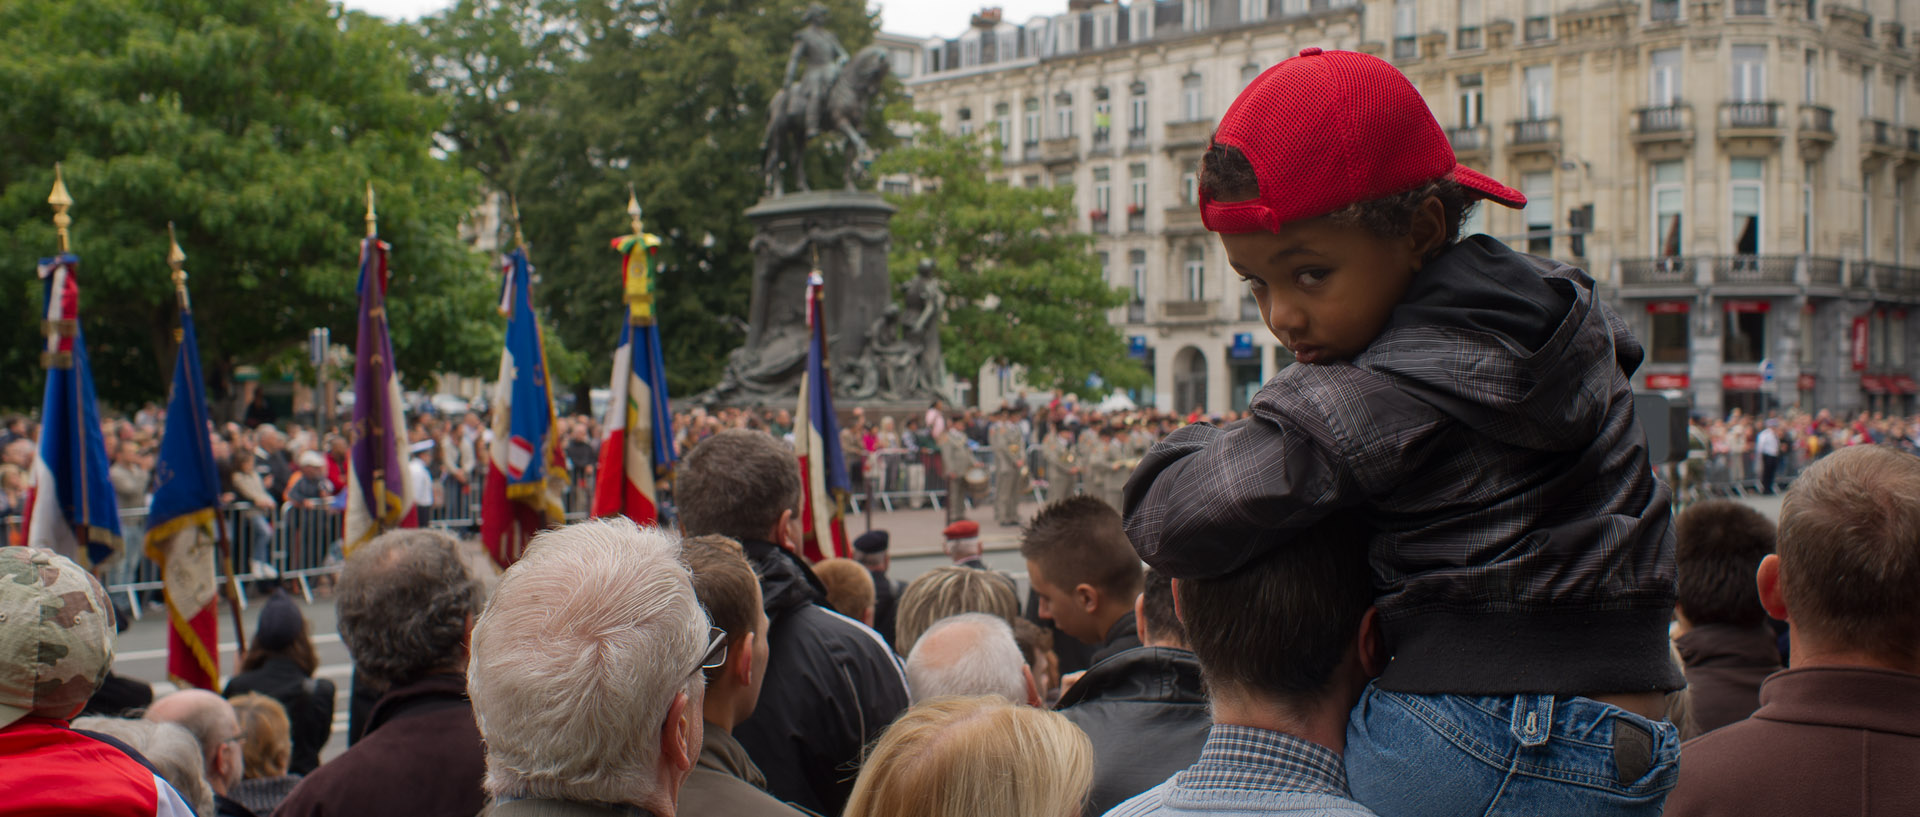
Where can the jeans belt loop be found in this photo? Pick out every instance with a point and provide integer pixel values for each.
(1532, 719)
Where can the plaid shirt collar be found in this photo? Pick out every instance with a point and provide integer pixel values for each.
(1245, 758)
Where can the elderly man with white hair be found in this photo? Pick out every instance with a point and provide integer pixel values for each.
(586, 674)
(970, 654)
(213, 723)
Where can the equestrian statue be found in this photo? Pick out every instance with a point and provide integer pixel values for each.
(831, 95)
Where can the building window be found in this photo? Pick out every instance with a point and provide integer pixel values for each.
(1137, 181)
(1747, 176)
(1665, 78)
(1142, 28)
(1195, 13)
(1668, 340)
(1103, 191)
(1063, 180)
(1807, 357)
(1877, 339)
(1810, 77)
(1537, 82)
(1192, 95)
(1251, 10)
(1806, 209)
(1539, 21)
(1405, 47)
(1195, 278)
(1032, 123)
(1669, 192)
(1899, 220)
(1137, 113)
(1866, 91)
(1248, 73)
(1063, 115)
(1745, 336)
(1137, 269)
(1031, 181)
(1468, 38)
(1003, 124)
(1749, 73)
(1190, 183)
(1538, 188)
(1102, 117)
(1472, 100)
(1106, 265)
(1866, 218)
(1749, 8)
(1899, 100)
(966, 122)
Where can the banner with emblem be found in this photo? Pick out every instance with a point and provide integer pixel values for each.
(526, 475)
(638, 448)
(379, 495)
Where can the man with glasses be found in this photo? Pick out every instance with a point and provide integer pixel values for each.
(213, 722)
(586, 676)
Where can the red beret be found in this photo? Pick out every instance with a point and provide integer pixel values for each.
(963, 529)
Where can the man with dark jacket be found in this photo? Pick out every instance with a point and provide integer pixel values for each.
(1149, 696)
(1082, 567)
(1839, 732)
(1726, 647)
(832, 684)
(870, 549)
(406, 610)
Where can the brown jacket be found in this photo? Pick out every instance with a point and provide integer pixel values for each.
(1725, 666)
(727, 784)
(420, 757)
(1826, 741)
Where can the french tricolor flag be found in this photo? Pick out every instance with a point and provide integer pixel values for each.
(638, 449)
(823, 466)
(72, 509)
(526, 475)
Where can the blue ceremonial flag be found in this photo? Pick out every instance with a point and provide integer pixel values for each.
(180, 536)
(525, 472)
(823, 465)
(72, 509)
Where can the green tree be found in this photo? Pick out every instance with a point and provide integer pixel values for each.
(1023, 288)
(254, 127)
(565, 104)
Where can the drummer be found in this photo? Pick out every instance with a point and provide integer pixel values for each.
(963, 469)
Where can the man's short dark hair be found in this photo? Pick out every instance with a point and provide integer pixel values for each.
(1163, 623)
(1850, 551)
(736, 483)
(1718, 545)
(1280, 625)
(1226, 175)
(1080, 540)
(405, 598)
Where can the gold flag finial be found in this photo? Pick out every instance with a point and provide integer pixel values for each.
(519, 240)
(60, 201)
(633, 209)
(373, 221)
(176, 258)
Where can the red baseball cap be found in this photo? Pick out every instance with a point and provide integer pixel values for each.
(1329, 128)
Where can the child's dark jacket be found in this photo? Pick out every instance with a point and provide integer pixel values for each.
(1488, 437)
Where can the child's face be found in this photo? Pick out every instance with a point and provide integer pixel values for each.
(1325, 289)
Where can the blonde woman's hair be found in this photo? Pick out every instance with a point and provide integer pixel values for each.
(267, 736)
(950, 591)
(960, 757)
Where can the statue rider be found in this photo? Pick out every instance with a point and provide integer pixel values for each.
(823, 56)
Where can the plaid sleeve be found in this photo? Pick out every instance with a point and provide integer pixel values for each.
(1207, 500)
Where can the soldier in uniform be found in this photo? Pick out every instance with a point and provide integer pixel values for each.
(1009, 467)
(956, 460)
(1063, 471)
(1119, 467)
(1094, 462)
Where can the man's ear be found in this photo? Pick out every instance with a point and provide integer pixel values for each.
(1140, 617)
(1773, 592)
(1370, 645)
(740, 661)
(1087, 596)
(677, 744)
(1177, 612)
(782, 533)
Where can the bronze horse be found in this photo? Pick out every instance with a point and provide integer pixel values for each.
(845, 112)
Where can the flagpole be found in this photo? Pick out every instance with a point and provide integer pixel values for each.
(177, 261)
(61, 221)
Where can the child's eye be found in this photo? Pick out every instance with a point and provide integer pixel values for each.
(1252, 283)
(1312, 276)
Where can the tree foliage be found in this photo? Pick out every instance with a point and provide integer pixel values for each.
(1023, 289)
(564, 104)
(254, 127)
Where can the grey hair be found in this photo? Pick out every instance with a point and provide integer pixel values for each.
(172, 750)
(405, 599)
(578, 659)
(967, 654)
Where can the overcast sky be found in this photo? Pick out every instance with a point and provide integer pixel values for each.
(919, 18)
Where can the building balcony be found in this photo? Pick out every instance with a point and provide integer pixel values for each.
(1666, 126)
(1406, 48)
(1912, 144)
(1826, 272)
(1887, 278)
(1877, 141)
(1102, 143)
(1816, 131)
(1189, 311)
(1183, 219)
(1657, 272)
(1750, 120)
(1755, 269)
(1099, 220)
(1136, 219)
(1535, 136)
(1136, 311)
(1137, 141)
(1474, 142)
(1184, 135)
(1064, 150)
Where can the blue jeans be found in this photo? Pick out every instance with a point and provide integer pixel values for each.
(1510, 756)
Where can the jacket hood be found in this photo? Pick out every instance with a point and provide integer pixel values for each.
(1508, 344)
(786, 583)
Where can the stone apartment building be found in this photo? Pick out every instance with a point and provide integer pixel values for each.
(1737, 174)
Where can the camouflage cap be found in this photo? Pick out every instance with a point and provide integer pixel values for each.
(56, 635)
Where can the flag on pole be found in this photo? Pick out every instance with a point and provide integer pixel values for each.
(526, 476)
(379, 495)
(823, 465)
(638, 449)
(180, 535)
(72, 509)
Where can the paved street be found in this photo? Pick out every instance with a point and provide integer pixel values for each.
(915, 543)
